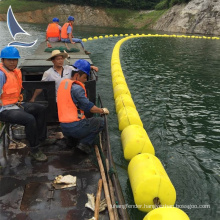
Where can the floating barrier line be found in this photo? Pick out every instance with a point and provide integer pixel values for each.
(148, 178)
(152, 35)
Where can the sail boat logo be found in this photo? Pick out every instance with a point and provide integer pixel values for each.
(15, 28)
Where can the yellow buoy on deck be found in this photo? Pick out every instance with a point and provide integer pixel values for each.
(123, 100)
(149, 180)
(135, 141)
(121, 89)
(166, 213)
(128, 116)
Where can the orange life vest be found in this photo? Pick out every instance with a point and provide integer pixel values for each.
(67, 110)
(53, 30)
(64, 30)
(12, 87)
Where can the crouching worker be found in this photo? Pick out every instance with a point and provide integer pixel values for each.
(31, 115)
(72, 102)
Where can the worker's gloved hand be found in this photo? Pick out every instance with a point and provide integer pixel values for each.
(105, 111)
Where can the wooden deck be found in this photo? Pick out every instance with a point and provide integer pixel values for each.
(26, 190)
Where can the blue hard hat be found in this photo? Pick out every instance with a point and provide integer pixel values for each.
(10, 52)
(71, 18)
(56, 20)
(82, 65)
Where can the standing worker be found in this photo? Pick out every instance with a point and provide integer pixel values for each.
(67, 34)
(72, 102)
(58, 72)
(53, 31)
(31, 115)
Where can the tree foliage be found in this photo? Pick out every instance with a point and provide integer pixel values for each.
(163, 4)
(128, 4)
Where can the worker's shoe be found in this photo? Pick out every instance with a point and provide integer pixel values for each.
(84, 148)
(47, 142)
(87, 52)
(39, 156)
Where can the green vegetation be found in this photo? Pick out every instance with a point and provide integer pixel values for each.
(152, 17)
(121, 15)
(133, 19)
(23, 5)
(163, 4)
(128, 4)
(124, 12)
(31, 5)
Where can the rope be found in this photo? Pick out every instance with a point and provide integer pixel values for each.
(19, 144)
(157, 203)
(20, 99)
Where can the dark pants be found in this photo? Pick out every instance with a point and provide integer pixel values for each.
(85, 130)
(32, 116)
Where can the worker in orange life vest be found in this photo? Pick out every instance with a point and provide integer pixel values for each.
(31, 115)
(72, 102)
(53, 31)
(67, 34)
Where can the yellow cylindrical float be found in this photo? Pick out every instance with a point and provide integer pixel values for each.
(149, 180)
(128, 116)
(135, 141)
(118, 80)
(115, 61)
(116, 67)
(117, 74)
(123, 100)
(121, 89)
(166, 213)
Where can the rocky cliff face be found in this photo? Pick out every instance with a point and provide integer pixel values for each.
(84, 15)
(198, 16)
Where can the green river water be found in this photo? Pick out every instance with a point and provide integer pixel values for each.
(174, 83)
